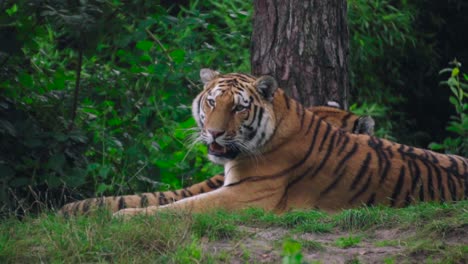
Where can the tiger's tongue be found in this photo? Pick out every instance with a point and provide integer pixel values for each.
(215, 147)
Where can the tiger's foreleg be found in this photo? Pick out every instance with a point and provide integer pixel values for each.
(226, 198)
(115, 203)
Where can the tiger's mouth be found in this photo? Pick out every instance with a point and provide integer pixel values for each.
(222, 151)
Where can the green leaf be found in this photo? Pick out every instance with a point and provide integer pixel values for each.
(56, 162)
(12, 10)
(455, 72)
(6, 172)
(19, 182)
(53, 181)
(25, 80)
(144, 45)
(177, 55)
(453, 100)
(77, 177)
(436, 146)
(102, 188)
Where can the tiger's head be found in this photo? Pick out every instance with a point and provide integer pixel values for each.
(234, 113)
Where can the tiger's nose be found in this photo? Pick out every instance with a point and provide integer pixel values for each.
(216, 133)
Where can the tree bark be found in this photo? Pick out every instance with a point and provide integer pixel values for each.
(304, 45)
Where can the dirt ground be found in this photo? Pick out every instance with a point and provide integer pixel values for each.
(259, 245)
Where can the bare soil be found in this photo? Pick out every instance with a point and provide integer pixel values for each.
(260, 245)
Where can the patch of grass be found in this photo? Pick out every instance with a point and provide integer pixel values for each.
(292, 252)
(347, 242)
(310, 245)
(387, 243)
(437, 251)
(362, 218)
(389, 260)
(180, 238)
(215, 225)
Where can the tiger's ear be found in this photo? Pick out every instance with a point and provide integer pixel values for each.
(207, 75)
(266, 86)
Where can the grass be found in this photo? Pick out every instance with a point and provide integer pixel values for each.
(348, 241)
(185, 238)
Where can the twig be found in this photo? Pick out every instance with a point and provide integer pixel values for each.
(153, 37)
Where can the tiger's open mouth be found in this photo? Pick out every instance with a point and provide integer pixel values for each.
(222, 151)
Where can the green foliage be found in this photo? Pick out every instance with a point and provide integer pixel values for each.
(184, 238)
(346, 242)
(292, 252)
(458, 85)
(139, 75)
(380, 34)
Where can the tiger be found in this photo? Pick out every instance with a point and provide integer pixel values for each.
(279, 156)
(331, 113)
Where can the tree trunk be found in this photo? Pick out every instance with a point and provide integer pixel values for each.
(304, 45)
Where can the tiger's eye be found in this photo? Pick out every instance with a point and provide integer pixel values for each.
(240, 108)
(211, 102)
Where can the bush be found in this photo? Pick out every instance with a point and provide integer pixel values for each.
(458, 85)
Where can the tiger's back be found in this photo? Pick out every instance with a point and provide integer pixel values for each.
(278, 155)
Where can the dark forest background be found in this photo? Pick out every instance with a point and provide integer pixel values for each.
(95, 95)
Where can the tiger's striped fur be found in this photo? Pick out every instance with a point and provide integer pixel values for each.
(277, 155)
(337, 117)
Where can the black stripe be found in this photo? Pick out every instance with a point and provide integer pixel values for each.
(325, 136)
(100, 202)
(439, 183)
(362, 171)
(402, 152)
(430, 186)
(378, 153)
(75, 207)
(255, 110)
(162, 201)
(371, 200)
(122, 203)
(415, 176)
(86, 205)
(286, 100)
(452, 188)
(211, 184)
(399, 184)
(201, 190)
(219, 182)
(362, 190)
(344, 120)
(310, 124)
(326, 157)
(189, 192)
(389, 151)
(260, 116)
(345, 143)
(333, 184)
(346, 157)
(143, 201)
(286, 171)
(408, 198)
(421, 192)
